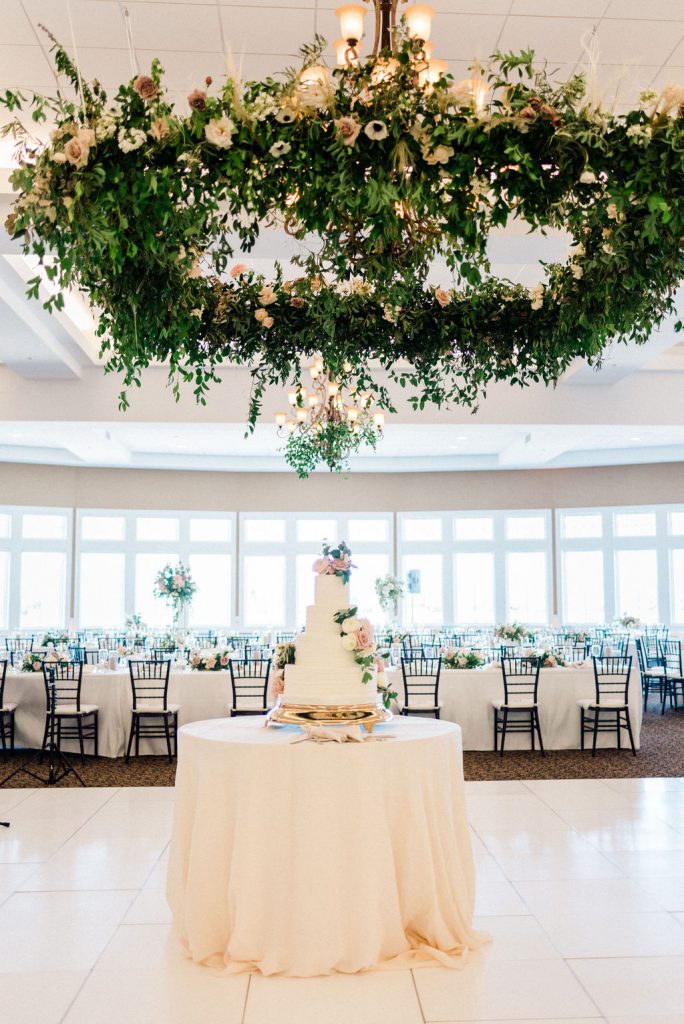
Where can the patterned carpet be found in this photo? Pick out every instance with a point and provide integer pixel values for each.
(661, 754)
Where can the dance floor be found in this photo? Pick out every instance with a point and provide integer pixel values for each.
(580, 883)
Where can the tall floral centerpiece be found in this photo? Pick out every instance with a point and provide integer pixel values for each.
(176, 586)
(390, 590)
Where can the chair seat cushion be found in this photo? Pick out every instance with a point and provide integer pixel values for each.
(155, 709)
(514, 705)
(248, 704)
(590, 705)
(7, 708)
(71, 709)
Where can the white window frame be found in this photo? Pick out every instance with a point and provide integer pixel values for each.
(16, 545)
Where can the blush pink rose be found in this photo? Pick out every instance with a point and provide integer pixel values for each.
(224, 660)
(364, 636)
(279, 681)
(340, 563)
(321, 566)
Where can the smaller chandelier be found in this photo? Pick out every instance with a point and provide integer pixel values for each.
(418, 18)
(335, 421)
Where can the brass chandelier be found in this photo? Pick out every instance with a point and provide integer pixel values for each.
(330, 405)
(418, 22)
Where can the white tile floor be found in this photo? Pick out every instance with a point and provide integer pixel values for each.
(580, 883)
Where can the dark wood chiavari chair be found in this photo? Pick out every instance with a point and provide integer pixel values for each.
(72, 718)
(673, 677)
(421, 677)
(651, 671)
(18, 646)
(249, 685)
(7, 710)
(609, 710)
(518, 710)
(152, 717)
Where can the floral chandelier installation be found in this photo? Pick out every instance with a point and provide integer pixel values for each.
(327, 424)
(379, 167)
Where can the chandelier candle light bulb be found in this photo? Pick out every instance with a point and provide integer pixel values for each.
(419, 21)
(351, 23)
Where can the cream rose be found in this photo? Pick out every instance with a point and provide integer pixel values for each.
(348, 129)
(351, 625)
(220, 132)
(260, 315)
(349, 641)
(442, 296)
(267, 295)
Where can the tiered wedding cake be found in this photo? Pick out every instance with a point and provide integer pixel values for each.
(325, 672)
(334, 658)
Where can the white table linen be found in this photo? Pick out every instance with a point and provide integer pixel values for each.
(466, 697)
(305, 859)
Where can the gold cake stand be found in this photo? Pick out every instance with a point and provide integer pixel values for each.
(367, 715)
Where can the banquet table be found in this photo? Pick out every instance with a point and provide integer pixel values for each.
(466, 697)
(307, 858)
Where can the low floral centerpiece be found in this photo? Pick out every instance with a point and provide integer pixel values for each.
(512, 631)
(55, 639)
(462, 657)
(33, 661)
(551, 659)
(629, 621)
(214, 659)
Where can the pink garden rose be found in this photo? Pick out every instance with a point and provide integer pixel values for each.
(238, 270)
(145, 87)
(178, 580)
(364, 635)
(321, 566)
(210, 663)
(279, 680)
(224, 660)
(340, 564)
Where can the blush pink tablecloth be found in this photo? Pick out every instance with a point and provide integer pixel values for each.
(306, 859)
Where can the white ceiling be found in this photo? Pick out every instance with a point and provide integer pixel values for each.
(55, 405)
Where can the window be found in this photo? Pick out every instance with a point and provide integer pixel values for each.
(210, 531)
(264, 590)
(582, 526)
(318, 530)
(43, 589)
(270, 531)
(677, 523)
(423, 601)
(526, 586)
(474, 587)
(368, 531)
(305, 586)
(525, 527)
(677, 577)
(473, 528)
(5, 526)
(154, 610)
(211, 603)
(156, 528)
(43, 527)
(101, 590)
(635, 524)
(4, 589)
(362, 588)
(637, 584)
(422, 529)
(583, 587)
(103, 527)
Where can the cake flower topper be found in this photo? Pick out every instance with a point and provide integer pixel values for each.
(334, 561)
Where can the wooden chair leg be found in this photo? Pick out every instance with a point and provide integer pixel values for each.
(96, 726)
(581, 728)
(168, 736)
(137, 735)
(496, 730)
(503, 732)
(130, 739)
(629, 731)
(532, 731)
(596, 722)
(536, 719)
(79, 726)
(618, 729)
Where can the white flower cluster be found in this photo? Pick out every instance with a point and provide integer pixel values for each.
(537, 296)
(576, 253)
(130, 139)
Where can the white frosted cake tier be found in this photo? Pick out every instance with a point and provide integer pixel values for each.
(328, 687)
(324, 672)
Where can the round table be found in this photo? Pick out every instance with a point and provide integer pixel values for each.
(306, 858)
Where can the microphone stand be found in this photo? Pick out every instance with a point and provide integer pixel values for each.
(58, 764)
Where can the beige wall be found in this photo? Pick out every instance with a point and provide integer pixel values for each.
(387, 492)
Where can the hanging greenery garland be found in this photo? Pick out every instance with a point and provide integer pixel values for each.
(379, 173)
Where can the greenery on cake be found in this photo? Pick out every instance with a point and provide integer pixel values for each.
(285, 654)
(335, 561)
(357, 638)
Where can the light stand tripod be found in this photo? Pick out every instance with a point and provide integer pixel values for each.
(58, 765)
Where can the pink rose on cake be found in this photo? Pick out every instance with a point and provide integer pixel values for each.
(365, 633)
(279, 680)
(340, 564)
(322, 566)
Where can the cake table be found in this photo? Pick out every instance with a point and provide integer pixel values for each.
(308, 858)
